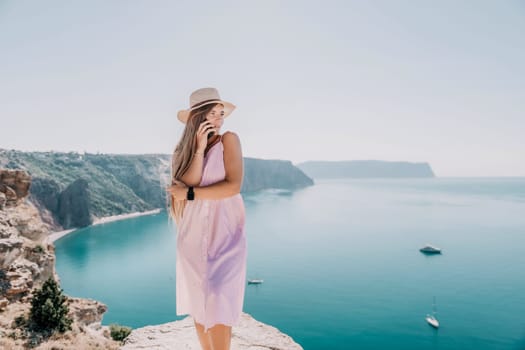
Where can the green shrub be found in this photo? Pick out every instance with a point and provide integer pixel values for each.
(48, 308)
(118, 332)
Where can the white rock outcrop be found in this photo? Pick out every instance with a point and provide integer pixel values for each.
(248, 334)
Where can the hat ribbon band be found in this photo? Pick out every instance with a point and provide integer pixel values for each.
(203, 103)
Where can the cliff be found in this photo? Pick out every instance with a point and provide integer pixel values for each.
(26, 261)
(262, 174)
(74, 190)
(365, 169)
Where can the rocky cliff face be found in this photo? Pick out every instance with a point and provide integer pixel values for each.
(26, 262)
(14, 186)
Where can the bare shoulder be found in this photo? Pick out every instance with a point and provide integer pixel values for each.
(232, 145)
(231, 139)
(230, 136)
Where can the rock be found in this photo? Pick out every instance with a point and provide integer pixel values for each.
(34, 271)
(3, 304)
(73, 205)
(10, 195)
(248, 334)
(20, 275)
(44, 261)
(10, 249)
(6, 231)
(86, 311)
(14, 184)
(26, 219)
(3, 200)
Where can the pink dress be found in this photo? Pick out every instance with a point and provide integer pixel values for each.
(211, 252)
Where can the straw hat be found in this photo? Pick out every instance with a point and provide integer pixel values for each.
(201, 97)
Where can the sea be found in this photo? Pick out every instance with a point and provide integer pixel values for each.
(340, 262)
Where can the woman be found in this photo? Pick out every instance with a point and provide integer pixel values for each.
(207, 173)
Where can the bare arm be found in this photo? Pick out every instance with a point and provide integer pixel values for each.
(234, 167)
(193, 176)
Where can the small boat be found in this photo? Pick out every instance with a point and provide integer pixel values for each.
(430, 249)
(431, 319)
(255, 281)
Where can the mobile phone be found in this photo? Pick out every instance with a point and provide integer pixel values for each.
(210, 134)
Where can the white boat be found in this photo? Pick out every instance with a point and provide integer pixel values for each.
(430, 249)
(431, 319)
(255, 281)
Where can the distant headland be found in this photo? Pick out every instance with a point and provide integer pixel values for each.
(364, 169)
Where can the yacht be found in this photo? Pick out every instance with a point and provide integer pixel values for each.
(431, 319)
(430, 249)
(255, 281)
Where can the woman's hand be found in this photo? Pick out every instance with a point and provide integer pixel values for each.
(202, 134)
(178, 190)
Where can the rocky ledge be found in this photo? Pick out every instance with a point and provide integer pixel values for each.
(249, 334)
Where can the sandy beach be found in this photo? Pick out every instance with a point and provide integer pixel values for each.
(52, 237)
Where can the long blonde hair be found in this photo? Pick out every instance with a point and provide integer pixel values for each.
(183, 155)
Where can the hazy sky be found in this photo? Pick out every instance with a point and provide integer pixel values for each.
(435, 81)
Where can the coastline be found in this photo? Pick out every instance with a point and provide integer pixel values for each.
(54, 236)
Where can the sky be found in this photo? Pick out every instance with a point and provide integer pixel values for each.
(441, 82)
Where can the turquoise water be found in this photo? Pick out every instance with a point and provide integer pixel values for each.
(340, 264)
